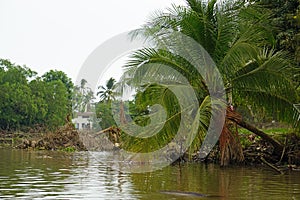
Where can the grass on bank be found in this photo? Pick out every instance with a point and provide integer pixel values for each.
(278, 133)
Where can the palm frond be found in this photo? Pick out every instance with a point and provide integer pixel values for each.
(238, 55)
(169, 127)
(161, 66)
(275, 93)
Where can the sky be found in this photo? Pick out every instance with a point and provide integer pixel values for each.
(60, 34)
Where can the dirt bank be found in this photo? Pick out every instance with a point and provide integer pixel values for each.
(64, 138)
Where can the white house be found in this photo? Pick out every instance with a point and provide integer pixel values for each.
(83, 120)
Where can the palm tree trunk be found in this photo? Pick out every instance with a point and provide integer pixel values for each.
(122, 114)
(235, 117)
(230, 146)
(278, 147)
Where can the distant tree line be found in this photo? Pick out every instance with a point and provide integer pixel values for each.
(28, 100)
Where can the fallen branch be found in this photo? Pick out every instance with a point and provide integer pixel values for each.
(109, 129)
(283, 151)
(271, 166)
(237, 118)
(104, 130)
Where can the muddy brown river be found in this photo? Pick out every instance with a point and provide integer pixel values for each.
(60, 175)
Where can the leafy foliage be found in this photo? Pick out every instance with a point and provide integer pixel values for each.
(104, 114)
(154, 94)
(27, 101)
(54, 75)
(285, 17)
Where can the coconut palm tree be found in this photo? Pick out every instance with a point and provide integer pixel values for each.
(237, 37)
(107, 92)
(82, 97)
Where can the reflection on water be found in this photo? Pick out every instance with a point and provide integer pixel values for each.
(59, 175)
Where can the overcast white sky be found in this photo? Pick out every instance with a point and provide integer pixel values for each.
(60, 34)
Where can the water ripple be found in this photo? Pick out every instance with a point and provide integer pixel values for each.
(33, 175)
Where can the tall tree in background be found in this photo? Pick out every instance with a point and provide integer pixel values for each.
(58, 103)
(82, 97)
(54, 75)
(27, 101)
(107, 92)
(16, 104)
(39, 94)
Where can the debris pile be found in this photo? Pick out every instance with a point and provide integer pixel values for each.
(290, 154)
(65, 137)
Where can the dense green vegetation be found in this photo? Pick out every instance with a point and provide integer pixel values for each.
(286, 22)
(28, 101)
(242, 39)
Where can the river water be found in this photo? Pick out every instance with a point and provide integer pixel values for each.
(59, 175)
